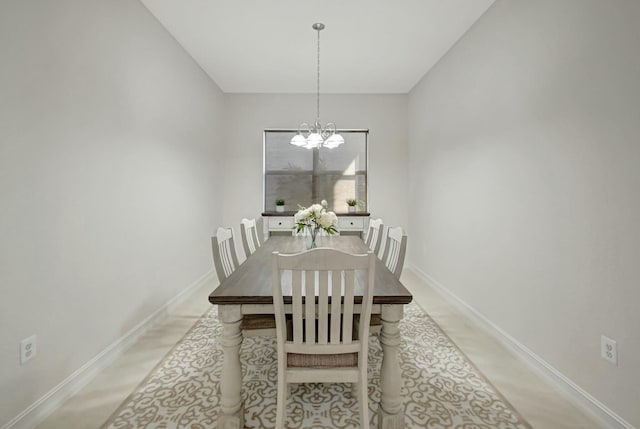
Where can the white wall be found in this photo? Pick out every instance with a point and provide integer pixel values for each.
(524, 183)
(249, 114)
(109, 156)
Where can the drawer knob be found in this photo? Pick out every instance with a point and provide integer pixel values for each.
(351, 222)
(279, 223)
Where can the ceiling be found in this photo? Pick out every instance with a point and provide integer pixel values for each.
(368, 46)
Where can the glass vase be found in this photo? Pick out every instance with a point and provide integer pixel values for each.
(313, 232)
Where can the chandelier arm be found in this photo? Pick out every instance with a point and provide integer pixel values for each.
(304, 128)
(328, 130)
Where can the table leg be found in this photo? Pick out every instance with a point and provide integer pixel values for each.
(390, 412)
(232, 413)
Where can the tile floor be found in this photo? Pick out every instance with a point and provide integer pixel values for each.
(537, 401)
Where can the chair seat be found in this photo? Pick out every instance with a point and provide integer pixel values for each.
(296, 360)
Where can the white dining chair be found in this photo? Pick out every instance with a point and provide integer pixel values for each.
(225, 258)
(395, 250)
(226, 262)
(393, 258)
(322, 347)
(249, 232)
(374, 235)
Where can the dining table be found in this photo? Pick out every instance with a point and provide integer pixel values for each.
(248, 291)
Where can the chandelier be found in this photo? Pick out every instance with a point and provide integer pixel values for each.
(316, 135)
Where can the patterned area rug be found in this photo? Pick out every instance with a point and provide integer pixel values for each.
(441, 387)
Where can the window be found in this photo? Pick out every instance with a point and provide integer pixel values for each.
(303, 176)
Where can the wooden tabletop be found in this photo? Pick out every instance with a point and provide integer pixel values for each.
(251, 282)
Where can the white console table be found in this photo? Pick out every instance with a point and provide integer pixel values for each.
(275, 223)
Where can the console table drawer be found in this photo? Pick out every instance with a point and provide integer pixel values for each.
(280, 223)
(351, 223)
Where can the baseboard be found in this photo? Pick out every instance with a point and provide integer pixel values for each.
(47, 404)
(578, 396)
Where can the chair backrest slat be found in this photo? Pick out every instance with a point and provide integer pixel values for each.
(323, 308)
(374, 235)
(347, 312)
(310, 307)
(395, 250)
(336, 297)
(224, 253)
(250, 240)
(296, 301)
(227, 264)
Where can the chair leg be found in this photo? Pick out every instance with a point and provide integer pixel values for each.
(281, 402)
(363, 399)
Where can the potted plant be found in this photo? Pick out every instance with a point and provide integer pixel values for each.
(352, 203)
(280, 205)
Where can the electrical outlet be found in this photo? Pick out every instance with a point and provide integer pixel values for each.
(27, 349)
(609, 350)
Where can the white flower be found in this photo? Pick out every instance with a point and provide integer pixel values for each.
(302, 215)
(327, 220)
(316, 209)
(334, 218)
(324, 220)
(324, 204)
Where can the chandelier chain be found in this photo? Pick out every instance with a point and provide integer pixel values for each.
(318, 83)
(317, 136)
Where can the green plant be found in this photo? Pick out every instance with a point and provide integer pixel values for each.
(279, 202)
(352, 202)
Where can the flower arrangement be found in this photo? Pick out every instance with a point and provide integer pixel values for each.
(315, 218)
